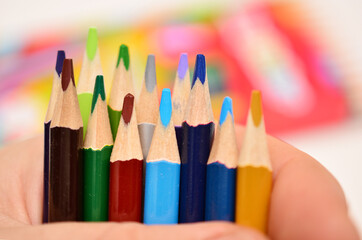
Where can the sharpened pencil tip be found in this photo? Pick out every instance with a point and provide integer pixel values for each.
(165, 107)
(183, 65)
(67, 73)
(98, 90)
(256, 107)
(92, 43)
(127, 109)
(124, 55)
(60, 60)
(200, 69)
(150, 74)
(227, 108)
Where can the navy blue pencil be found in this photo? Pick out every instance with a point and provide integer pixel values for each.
(56, 88)
(198, 132)
(180, 95)
(221, 169)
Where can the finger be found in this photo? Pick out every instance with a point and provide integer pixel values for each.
(134, 231)
(306, 202)
(21, 180)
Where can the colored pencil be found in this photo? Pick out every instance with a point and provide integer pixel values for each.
(221, 169)
(180, 95)
(254, 172)
(162, 184)
(66, 161)
(97, 151)
(91, 67)
(198, 132)
(122, 85)
(147, 106)
(48, 118)
(126, 168)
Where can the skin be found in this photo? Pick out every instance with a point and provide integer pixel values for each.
(306, 203)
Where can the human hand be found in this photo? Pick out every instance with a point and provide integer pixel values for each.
(306, 203)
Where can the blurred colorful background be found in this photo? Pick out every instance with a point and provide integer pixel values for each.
(305, 57)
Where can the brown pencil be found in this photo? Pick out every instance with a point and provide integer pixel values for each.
(66, 162)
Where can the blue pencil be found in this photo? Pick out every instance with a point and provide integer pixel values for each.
(198, 132)
(48, 118)
(221, 169)
(162, 184)
(180, 95)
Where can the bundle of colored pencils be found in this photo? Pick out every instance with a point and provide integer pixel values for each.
(136, 159)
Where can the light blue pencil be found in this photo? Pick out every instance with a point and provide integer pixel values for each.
(163, 170)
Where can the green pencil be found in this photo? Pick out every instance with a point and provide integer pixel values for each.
(91, 67)
(97, 152)
(122, 85)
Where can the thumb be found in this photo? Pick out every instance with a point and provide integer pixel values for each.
(92, 231)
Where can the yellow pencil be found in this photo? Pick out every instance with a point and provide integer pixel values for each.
(254, 172)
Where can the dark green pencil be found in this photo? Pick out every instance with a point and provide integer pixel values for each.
(97, 152)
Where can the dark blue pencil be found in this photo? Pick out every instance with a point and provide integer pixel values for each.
(198, 132)
(48, 118)
(221, 169)
(180, 95)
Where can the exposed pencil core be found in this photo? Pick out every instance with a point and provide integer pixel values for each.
(92, 43)
(150, 74)
(165, 107)
(60, 60)
(67, 73)
(124, 55)
(127, 109)
(200, 69)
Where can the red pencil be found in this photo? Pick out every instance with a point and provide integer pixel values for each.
(125, 187)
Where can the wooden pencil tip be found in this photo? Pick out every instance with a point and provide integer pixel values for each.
(92, 43)
(200, 69)
(256, 107)
(127, 109)
(60, 60)
(183, 65)
(165, 107)
(150, 74)
(124, 55)
(227, 108)
(67, 73)
(98, 90)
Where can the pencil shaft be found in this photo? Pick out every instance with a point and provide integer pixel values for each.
(162, 192)
(96, 183)
(125, 190)
(66, 175)
(46, 171)
(179, 137)
(114, 117)
(85, 104)
(253, 194)
(220, 192)
(195, 153)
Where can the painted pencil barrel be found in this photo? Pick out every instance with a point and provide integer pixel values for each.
(220, 192)
(85, 104)
(179, 137)
(66, 175)
(162, 193)
(195, 153)
(252, 196)
(125, 191)
(46, 172)
(96, 183)
(114, 117)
